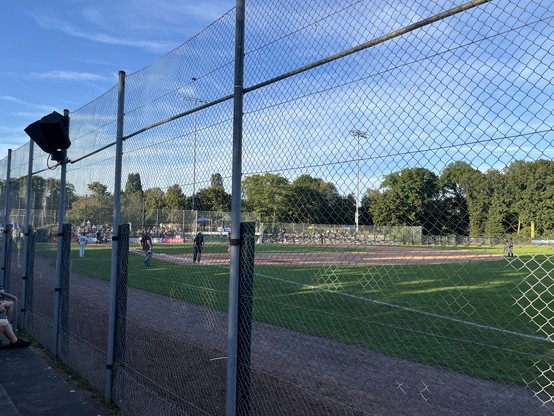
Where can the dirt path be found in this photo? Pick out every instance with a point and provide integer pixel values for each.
(373, 256)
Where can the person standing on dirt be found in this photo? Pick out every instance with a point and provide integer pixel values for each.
(146, 243)
(198, 246)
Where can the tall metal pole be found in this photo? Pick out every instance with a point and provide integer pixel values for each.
(232, 328)
(358, 134)
(196, 101)
(59, 252)
(357, 185)
(193, 204)
(28, 225)
(115, 239)
(5, 278)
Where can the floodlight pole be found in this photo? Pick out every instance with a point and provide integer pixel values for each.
(196, 100)
(358, 134)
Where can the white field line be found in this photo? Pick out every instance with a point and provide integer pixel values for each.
(405, 308)
(179, 259)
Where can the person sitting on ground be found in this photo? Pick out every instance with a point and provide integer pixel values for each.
(6, 328)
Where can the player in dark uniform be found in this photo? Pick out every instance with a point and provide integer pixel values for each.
(198, 246)
(146, 244)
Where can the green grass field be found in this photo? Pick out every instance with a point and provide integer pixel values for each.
(490, 319)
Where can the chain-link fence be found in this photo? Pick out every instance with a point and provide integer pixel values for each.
(396, 165)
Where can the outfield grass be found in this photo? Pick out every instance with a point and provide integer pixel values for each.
(488, 319)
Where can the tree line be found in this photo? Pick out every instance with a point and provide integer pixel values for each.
(459, 200)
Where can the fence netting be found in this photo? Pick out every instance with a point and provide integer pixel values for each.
(397, 180)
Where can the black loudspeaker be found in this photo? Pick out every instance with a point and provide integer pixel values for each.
(50, 133)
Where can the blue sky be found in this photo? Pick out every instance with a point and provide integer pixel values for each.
(63, 54)
(474, 87)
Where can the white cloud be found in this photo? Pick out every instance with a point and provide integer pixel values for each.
(69, 76)
(166, 23)
(10, 99)
(71, 30)
(167, 16)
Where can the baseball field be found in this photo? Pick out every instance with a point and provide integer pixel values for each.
(469, 309)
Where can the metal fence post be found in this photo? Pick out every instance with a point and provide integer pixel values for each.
(28, 230)
(115, 238)
(59, 253)
(232, 328)
(28, 284)
(246, 289)
(64, 294)
(61, 309)
(7, 257)
(121, 301)
(5, 277)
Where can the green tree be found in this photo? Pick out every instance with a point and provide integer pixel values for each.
(174, 198)
(132, 207)
(214, 198)
(98, 189)
(51, 194)
(312, 200)
(343, 210)
(45, 197)
(497, 208)
(37, 192)
(267, 195)
(454, 208)
(133, 184)
(154, 198)
(151, 205)
(96, 208)
(408, 197)
(382, 207)
(530, 191)
(132, 200)
(476, 186)
(216, 181)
